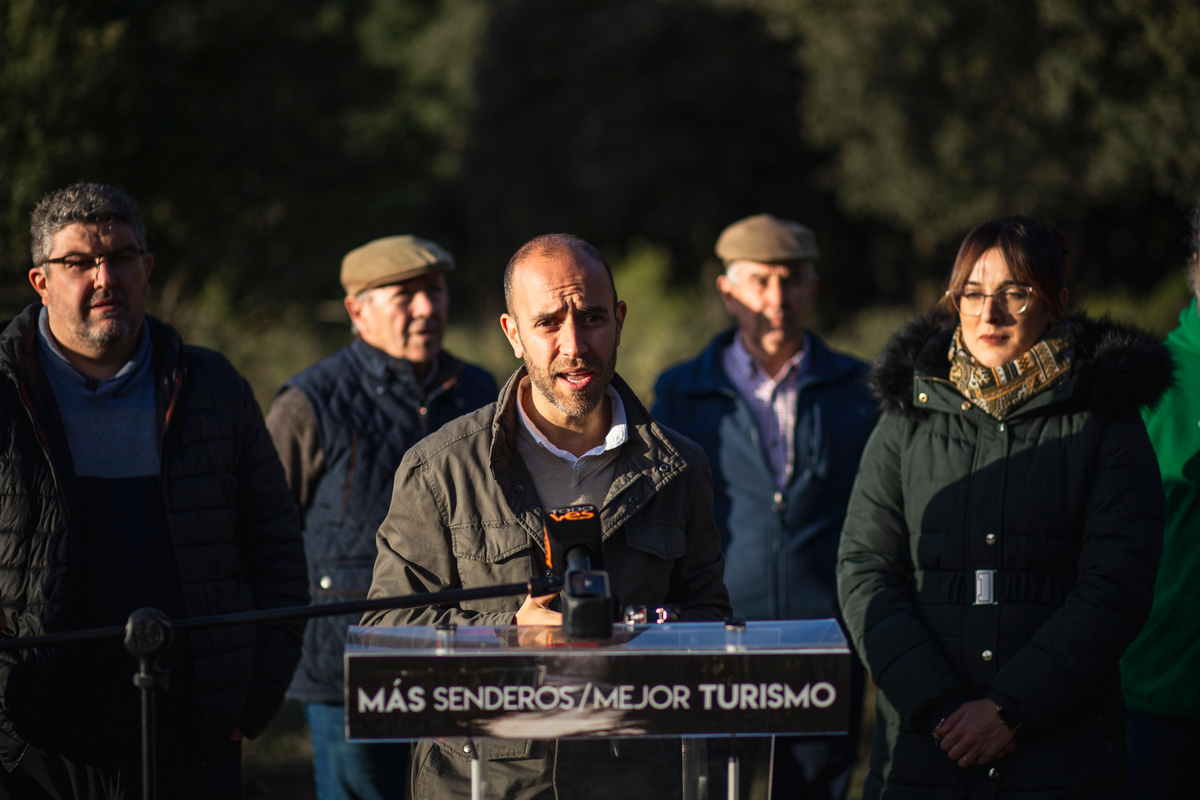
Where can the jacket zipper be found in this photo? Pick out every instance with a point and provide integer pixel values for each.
(41, 435)
(777, 508)
(162, 443)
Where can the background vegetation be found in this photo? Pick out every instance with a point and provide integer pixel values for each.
(265, 139)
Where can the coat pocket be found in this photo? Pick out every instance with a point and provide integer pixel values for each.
(489, 544)
(493, 749)
(666, 540)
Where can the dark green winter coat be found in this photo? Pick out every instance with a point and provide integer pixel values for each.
(1062, 499)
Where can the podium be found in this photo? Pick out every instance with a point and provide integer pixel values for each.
(673, 695)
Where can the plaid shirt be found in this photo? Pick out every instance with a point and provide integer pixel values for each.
(773, 402)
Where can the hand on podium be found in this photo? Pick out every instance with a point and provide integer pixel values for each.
(534, 611)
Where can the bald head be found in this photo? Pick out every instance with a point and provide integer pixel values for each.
(553, 245)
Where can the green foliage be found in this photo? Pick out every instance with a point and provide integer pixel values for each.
(946, 113)
(664, 324)
(262, 139)
(478, 338)
(266, 139)
(613, 119)
(266, 345)
(1156, 311)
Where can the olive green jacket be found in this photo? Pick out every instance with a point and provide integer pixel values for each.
(465, 514)
(1061, 501)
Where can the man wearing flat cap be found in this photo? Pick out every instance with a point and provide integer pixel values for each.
(341, 428)
(783, 420)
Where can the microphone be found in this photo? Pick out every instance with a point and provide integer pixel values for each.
(572, 537)
(574, 550)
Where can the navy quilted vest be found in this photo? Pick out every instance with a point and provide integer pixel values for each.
(370, 410)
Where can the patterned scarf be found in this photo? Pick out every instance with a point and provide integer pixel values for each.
(998, 390)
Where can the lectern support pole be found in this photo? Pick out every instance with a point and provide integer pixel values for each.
(147, 635)
(478, 785)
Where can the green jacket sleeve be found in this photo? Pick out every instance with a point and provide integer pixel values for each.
(697, 579)
(415, 553)
(874, 580)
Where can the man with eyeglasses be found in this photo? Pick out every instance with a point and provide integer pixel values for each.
(783, 420)
(341, 428)
(136, 471)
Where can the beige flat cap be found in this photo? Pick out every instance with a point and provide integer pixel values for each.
(766, 238)
(390, 260)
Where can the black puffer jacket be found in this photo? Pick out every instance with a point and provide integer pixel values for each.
(231, 518)
(1062, 501)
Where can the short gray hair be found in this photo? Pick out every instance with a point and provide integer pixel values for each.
(808, 265)
(81, 202)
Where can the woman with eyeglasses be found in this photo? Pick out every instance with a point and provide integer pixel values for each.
(1002, 538)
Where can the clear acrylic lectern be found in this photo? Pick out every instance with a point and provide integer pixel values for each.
(680, 709)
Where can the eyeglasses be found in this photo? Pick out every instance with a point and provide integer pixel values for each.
(82, 262)
(1013, 299)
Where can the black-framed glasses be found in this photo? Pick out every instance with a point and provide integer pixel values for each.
(124, 258)
(1013, 299)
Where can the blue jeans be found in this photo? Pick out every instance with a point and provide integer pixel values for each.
(1162, 751)
(351, 771)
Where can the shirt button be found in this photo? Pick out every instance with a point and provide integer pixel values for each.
(326, 582)
(994, 772)
(1002, 427)
(966, 405)
(467, 749)
(378, 390)
(924, 398)
(520, 489)
(987, 655)
(990, 538)
(633, 498)
(664, 468)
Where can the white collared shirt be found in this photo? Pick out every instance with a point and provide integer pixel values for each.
(617, 434)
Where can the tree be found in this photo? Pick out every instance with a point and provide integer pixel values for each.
(943, 113)
(618, 118)
(262, 139)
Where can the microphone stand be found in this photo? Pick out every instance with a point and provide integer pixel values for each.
(149, 632)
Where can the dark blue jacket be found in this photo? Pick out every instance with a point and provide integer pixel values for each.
(370, 410)
(780, 547)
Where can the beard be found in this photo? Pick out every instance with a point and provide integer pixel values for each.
(574, 403)
(115, 326)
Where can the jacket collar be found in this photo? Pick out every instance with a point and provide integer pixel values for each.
(377, 363)
(822, 367)
(647, 453)
(18, 358)
(1119, 369)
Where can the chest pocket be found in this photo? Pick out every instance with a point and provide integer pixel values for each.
(663, 539)
(488, 544)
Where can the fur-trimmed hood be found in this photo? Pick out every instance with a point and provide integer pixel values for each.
(1121, 368)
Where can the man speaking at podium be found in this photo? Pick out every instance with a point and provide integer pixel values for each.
(467, 509)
